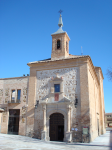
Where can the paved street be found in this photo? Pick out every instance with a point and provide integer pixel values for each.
(17, 142)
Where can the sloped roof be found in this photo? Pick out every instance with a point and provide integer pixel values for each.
(69, 57)
(108, 113)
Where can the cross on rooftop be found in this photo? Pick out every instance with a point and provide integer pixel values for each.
(60, 11)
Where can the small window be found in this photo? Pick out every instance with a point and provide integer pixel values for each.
(58, 44)
(57, 87)
(13, 94)
(18, 94)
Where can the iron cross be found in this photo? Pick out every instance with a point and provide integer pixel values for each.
(60, 11)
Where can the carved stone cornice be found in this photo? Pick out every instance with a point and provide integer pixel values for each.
(44, 102)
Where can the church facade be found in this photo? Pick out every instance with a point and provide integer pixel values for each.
(61, 100)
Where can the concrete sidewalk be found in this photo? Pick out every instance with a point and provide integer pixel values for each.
(17, 142)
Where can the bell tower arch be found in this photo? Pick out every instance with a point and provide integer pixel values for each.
(60, 42)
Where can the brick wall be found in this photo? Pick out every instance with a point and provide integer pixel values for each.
(62, 52)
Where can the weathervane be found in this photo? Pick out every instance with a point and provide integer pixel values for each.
(60, 11)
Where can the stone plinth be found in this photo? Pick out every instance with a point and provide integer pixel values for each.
(69, 137)
(43, 136)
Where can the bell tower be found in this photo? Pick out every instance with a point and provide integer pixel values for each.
(60, 43)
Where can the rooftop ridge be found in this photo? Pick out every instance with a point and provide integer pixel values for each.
(46, 60)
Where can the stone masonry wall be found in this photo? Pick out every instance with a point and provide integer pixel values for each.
(38, 122)
(69, 82)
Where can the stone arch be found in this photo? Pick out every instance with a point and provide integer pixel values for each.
(52, 111)
(57, 111)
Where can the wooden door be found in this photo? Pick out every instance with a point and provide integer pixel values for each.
(13, 126)
(56, 121)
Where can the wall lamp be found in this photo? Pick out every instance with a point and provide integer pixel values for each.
(76, 102)
(2, 109)
(37, 103)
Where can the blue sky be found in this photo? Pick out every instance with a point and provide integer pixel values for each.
(26, 27)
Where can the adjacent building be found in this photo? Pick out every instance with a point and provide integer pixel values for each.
(61, 100)
(108, 119)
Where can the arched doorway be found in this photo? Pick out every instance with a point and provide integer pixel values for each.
(56, 127)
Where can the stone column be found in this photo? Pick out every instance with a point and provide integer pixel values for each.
(47, 129)
(43, 133)
(44, 118)
(68, 116)
(68, 133)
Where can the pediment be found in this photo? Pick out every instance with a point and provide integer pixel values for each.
(48, 101)
(65, 99)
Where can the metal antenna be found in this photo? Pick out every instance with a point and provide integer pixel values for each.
(81, 51)
(60, 11)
